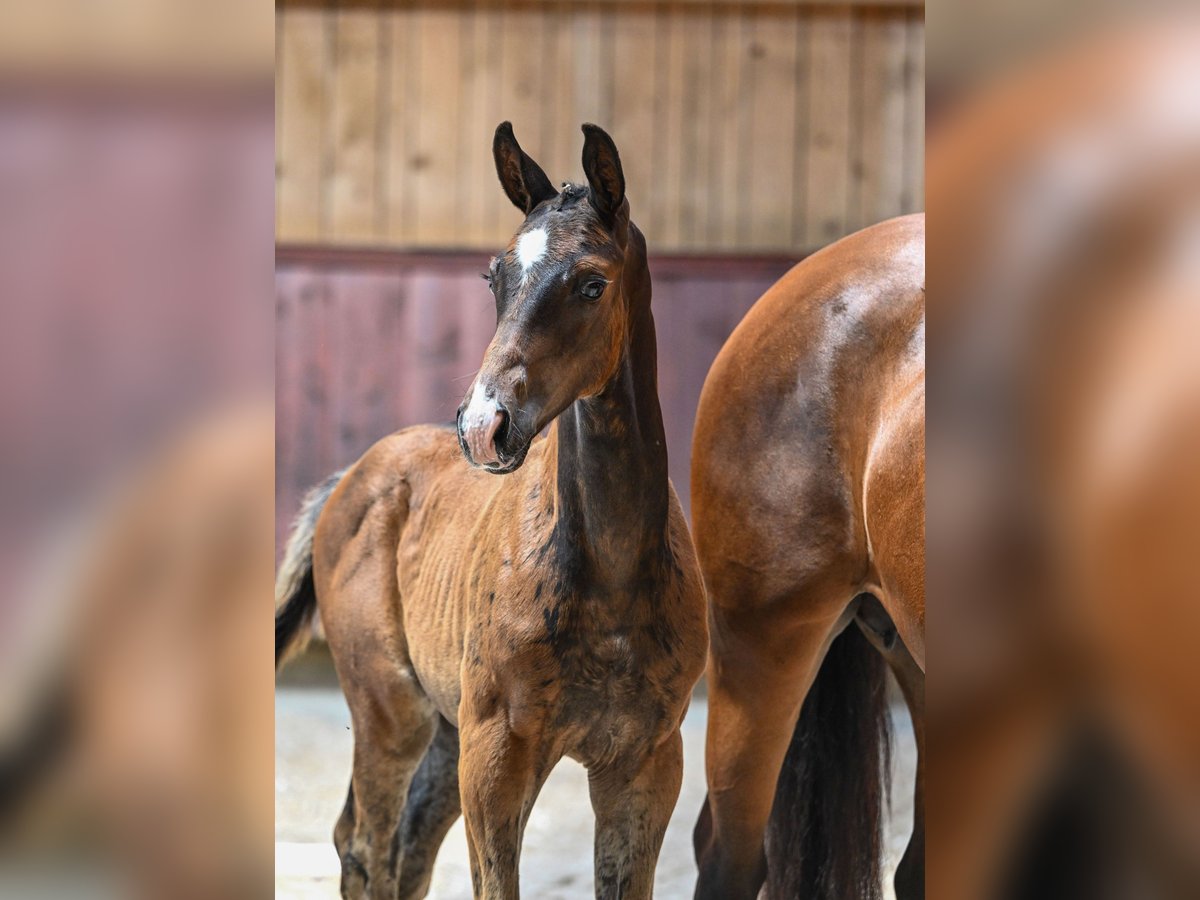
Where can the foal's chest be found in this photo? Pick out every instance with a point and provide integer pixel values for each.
(603, 673)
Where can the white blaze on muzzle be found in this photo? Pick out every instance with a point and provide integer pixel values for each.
(481, 420)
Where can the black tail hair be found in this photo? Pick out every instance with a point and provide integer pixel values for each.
(824, 838)
(294, 619)
(35, 753)
(295, 595)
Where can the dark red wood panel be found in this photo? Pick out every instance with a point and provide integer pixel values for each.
(369, 342)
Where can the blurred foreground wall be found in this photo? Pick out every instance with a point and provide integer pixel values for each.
(1063, 446)
(136, 451)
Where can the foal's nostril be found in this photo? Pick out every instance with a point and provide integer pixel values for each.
(483, 425)
(501, 429)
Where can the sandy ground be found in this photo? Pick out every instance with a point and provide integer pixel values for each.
(313, 748)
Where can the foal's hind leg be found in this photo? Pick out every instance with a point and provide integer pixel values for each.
(393, 725)
(433, 806)
(633, 805)
(354, 572)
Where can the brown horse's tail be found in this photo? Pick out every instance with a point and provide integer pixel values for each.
(824, 839)
(295, 595)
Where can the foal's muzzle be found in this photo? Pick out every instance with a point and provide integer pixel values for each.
(478, 436)
(486, 432)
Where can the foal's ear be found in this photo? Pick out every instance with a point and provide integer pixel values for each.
(602, 165)
(523, 179)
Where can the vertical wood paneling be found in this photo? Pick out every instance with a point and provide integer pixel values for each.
(802, 140)
(829, 126)
(772, 72)
(353, 193)
(523, 87)
(663, 209)
(852, 216)
(399, 136)
(696, 165)
(742, 127)
(301, 116)
(436, 95)
(288, 401)
(368, 309)
(914, 125)
(880, 157)
(480, 198)
(587, 48)
(559, 154)
(633, 123)
(562, 135)
(731, 128)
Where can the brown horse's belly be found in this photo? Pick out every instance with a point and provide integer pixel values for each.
(432, 627)
(438, 569)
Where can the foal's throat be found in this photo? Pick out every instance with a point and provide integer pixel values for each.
(612, 490)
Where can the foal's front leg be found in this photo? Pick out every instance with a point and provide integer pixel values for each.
(500, 774)
(633, 801)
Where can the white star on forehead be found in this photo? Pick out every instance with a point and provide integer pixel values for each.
(531, 247)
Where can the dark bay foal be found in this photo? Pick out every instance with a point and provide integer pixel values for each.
(482, 627)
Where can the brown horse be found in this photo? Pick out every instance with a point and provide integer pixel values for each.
(482, 627)
(808, 481)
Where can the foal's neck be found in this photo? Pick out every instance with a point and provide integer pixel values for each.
(612, 486)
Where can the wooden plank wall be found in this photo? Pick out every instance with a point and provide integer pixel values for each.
(368, 345)
(743, 127)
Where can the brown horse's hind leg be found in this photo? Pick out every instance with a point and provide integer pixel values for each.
(910, 876)
(433, 806)
(877, 625)
(760, 670)
(632, 810)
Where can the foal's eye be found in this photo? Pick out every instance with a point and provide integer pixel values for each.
(593, 289)
(489, 275)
